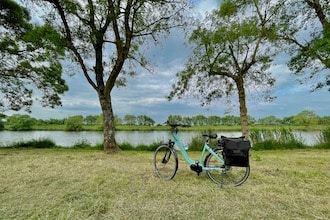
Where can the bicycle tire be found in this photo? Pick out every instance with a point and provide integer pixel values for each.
(165, 162)
(228, 175)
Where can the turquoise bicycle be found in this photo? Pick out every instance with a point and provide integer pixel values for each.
(211, 161)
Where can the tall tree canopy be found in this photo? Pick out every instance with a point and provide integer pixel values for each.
(29, 60)
(102, 35)
(233, 50)
(306, 27)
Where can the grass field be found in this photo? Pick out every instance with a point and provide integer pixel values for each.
(83, 184)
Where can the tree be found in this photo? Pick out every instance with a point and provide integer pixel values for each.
(233, 49)
(214, 120)
(230, 120)
(305, 117)
(74, 123)
(269, 120)
(130, 119)
(90, 119)
(199, 120)
(19, 123)
(306, 27)
(29, 60)
(111, 33)
(144, 120)
(174, 119)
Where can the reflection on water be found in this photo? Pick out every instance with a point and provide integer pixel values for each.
(67, 139)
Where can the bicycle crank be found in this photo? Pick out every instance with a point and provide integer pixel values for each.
(196, 167)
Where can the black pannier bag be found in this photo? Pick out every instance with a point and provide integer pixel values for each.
(236, 152)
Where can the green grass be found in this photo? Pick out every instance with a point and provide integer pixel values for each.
(83, 184)
(37, 143)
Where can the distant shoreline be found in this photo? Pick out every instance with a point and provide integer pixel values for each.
(192, 128)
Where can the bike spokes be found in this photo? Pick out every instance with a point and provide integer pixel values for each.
(165, 162)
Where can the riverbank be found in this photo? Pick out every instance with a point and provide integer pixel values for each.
(147, 140)
(192, 128)
(82, 184)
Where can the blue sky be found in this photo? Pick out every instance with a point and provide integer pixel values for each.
(145, 94)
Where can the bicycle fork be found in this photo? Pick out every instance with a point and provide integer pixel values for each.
(166, 157)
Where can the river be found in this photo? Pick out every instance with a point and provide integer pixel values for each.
(67, 139)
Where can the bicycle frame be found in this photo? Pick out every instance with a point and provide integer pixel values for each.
(190, 161)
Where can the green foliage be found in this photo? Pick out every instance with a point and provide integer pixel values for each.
(324, 139)
(81, 145)
(130, 119)
(41, 143)
(74, 123)
(145, 120)
(305, 118)
(19, 123)
(311, 19)
(326, 135)
(227, 8)
(90, 119)
(13, 16)
(275, 139)
(275, 145)
(36, 51)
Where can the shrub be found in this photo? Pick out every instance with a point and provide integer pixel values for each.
(19, 123)
(82, 144)
(74, 123)
(41, 143)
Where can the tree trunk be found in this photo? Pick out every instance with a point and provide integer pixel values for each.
(242, 108)
(109, 144)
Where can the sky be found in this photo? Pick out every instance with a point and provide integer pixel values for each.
(145, 94)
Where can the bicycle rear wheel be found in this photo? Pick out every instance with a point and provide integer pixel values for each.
(226, 175)
(165, 162)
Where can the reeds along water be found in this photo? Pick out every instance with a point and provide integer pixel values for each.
(277, 135)
(326, 136)
(276, 139)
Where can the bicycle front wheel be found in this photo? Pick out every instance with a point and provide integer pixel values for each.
(225, 175)
(165, 162)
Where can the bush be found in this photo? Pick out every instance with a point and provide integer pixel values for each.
(81, 144)
(19, 123)
(41, 143)
(74, 123)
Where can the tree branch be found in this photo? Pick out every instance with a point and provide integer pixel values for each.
(71, 46)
